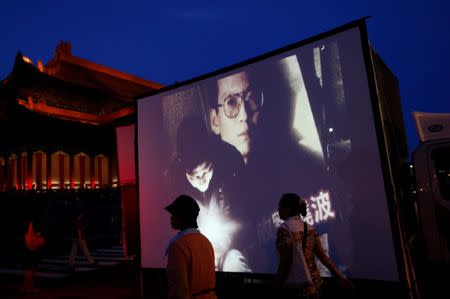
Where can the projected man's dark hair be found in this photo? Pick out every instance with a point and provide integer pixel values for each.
(193, 142)
(211, 88)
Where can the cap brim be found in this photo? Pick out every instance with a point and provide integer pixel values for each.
(170, 208)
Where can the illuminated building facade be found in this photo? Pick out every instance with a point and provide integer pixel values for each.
(58, 122)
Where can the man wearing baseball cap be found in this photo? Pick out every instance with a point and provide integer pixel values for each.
(190, 255)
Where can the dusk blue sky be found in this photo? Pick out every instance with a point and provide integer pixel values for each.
(168, 41)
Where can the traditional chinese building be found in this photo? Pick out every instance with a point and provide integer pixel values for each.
(57, 122)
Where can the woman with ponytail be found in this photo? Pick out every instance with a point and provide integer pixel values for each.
(297, 245)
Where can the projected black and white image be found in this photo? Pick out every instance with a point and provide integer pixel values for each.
(300, 122)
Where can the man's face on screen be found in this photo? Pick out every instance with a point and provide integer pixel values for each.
(237, 113)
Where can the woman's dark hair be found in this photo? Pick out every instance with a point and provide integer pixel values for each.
(294, 202)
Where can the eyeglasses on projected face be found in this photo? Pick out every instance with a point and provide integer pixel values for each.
(232, 104)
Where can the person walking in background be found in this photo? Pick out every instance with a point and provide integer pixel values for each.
(79, 241)
(190, 255)
(34, 243)
(297, 244)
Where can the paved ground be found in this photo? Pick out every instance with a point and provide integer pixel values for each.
(56, 267)
(114, 277)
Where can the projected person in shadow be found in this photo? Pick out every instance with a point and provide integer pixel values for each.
(200, 161)
(298, 244)
(200, 173)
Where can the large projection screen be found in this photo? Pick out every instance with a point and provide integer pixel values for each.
(297, 121)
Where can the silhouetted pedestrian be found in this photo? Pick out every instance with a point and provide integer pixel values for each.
(190, 255)
(297, 244)
(79, 241)
(34, 242)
